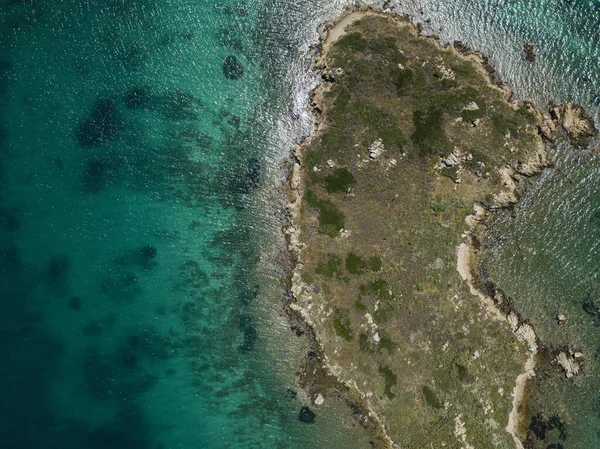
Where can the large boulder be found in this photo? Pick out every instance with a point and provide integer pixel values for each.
(578, 124)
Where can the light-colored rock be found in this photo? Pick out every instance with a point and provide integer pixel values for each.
(295, 178)
(319, 399)
(459, 426)
(330, 163)
(376, 149)
(546, 128)
(479, 169)
(437, 264)
(451, 160)
(345, 233)
(472, 106)
(577, 122)
(446, 73)
(536, 162)
(569, 364)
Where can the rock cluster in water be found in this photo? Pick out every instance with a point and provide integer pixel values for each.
(232, 68)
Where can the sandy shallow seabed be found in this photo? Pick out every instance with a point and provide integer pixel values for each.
(466, 251)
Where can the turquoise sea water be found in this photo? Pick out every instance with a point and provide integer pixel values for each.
(137, 136)
(139, 247)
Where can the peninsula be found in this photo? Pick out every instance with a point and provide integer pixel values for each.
(416, 145)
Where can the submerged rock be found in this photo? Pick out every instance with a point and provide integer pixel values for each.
(529, 52)
(147, 253)
(96, 175)
(137, 97)
(541, 425)
(249, 179)
(578, 124)
(250, 334)
(306, 415)
(561, 318)
(571, 362)
(75, 303)
(248, 295)
(104, 124)
(232, 68)
(292, 394)
(58, 268)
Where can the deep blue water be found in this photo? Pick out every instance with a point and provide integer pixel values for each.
(140, 256)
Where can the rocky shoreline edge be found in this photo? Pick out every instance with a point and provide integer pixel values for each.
(316, 374)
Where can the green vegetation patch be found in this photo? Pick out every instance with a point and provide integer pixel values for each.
(429, 136)
(451, 173)
(390, 381)
(352, 42)
(385, 48)
(331, 219)
(456, 100)
(512, 122)
(381, 124)
(439, 205)
(375, 263)
(431, 398)
(378, 287)
(469, 115)
(463, 373)
(314, 156)
(340, 180)
(357, 120)
(355, 264)
(385, 342)
(360, 305)
(464, 69)
(341, 325)
(364, 343)
(403, 79)
(307, 277)
(333, 267)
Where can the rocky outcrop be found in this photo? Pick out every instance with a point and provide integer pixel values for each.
(529, 52)
(571, 362)
(561, 318)
(579, 124)
(376, 149)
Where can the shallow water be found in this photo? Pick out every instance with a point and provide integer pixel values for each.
(135, 177)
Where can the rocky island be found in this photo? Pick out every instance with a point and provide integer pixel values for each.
(416, 146)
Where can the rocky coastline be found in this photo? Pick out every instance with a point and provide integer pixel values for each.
(319, 374)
